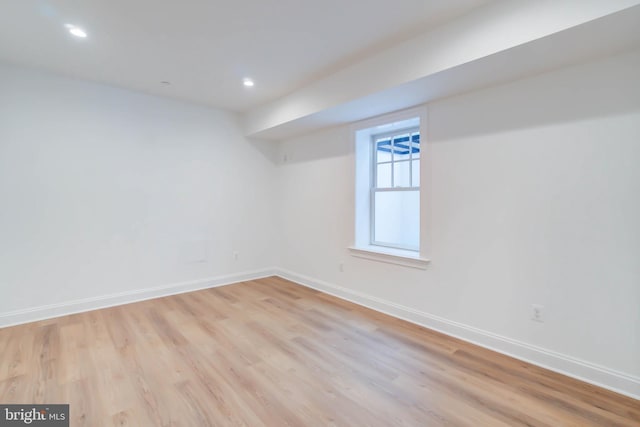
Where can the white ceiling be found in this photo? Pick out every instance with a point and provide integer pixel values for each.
(205, 47)
(501, 42)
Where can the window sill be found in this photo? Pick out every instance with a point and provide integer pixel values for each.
(390, 256)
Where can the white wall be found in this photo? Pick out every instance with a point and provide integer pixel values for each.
(106, 191)
(535, 199)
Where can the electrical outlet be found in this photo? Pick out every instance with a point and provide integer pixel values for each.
(236, 255)
(537, 313)
(341, 267)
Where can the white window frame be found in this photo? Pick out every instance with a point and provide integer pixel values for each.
(362, 246)
(374, 189)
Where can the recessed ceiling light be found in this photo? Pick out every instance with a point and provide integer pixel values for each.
(247, 82)
(76, 31)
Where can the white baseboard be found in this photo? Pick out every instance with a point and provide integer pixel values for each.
(601, 376)
(43, 312)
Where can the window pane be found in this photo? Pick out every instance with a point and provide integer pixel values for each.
(415, 145)
(384, 175)
(383, 150)
(397, 218)
(415, 174)
(401, 174)
(401, 147)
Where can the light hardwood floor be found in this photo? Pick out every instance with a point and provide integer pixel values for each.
(273, 353)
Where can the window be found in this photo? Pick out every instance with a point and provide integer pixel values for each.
(389, 221)
(395, 189)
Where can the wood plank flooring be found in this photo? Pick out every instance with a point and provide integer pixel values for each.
(273, 353)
